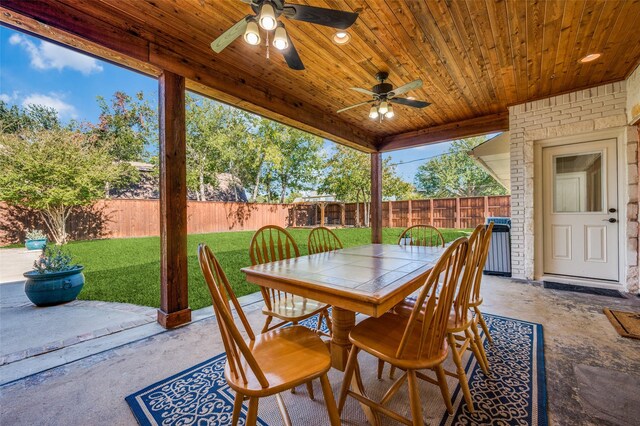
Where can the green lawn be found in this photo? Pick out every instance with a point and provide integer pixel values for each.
(128, 270)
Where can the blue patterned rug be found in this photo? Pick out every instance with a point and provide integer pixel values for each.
(515, 394)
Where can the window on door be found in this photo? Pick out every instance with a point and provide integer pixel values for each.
(578, 183)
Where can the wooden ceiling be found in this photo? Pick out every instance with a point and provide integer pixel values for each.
(475, 57)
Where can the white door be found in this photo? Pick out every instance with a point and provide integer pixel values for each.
(580, 204)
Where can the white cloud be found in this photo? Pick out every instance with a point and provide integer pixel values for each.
(52, 100)
(47, 55)
(9, 98)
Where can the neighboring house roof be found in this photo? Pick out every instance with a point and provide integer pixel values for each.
(229, 187)
(494, 156)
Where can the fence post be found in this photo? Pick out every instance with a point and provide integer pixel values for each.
(343, 215)
(409, 215)
(390, 214)
(457, 212)
(431, 212)
(322, 206)
(486, 208)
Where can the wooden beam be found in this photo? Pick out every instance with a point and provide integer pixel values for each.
(376, 198)
(135, 59)
(446, 132)
(207, 75)
(174, 302)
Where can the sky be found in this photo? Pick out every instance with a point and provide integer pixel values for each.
(34, 71)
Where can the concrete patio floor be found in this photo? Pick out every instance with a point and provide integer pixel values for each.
(593, 375)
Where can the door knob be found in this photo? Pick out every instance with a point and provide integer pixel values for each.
(610, 220)
(612, 210)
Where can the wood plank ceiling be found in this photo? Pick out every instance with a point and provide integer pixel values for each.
(475, 57)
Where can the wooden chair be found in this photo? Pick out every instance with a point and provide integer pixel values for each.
(462, 327)
(269, 363)
(271, 243)
(323, 239)
(476, 297)
(410, 343)
(421, 235)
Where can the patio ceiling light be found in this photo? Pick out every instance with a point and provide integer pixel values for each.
(280, 40)
(252, 33)
(373, 112)
(590, 57)
(267, 17)
(341, 37)
(389, 113)
(383, 108)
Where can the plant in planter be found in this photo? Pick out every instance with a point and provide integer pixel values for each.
(54, 278)
(35, 239)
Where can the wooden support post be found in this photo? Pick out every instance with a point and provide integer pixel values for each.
(409, 214)
(322, 207)
(457, 213)
(390, 224)
(174, 303)
(376, 198)
(343, 214)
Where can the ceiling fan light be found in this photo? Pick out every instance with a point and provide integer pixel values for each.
(280, 40)
(384, 107)
(267, 17)
(373, 113)
(389, 113)
(252, 34)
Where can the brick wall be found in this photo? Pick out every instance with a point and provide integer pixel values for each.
(580, 112)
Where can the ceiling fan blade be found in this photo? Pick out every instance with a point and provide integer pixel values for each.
(415, 84)
(365, 91)
(410, 102)
(353, 106)
(321, 16)
(230, 35)
(291, 56)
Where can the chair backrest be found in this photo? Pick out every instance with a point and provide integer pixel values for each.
(221, 293)
(323, 239)
(271, 243)
(422, 235)
(482, 259)
(463, 296)
(431, 311)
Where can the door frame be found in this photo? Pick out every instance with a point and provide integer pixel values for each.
(538, 217)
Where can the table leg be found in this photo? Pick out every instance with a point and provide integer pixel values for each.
(343, 322)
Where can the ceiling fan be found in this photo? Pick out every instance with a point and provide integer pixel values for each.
(384, 95)
(266, 14)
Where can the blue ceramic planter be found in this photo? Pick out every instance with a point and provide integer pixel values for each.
(35, 244)
(53, 288)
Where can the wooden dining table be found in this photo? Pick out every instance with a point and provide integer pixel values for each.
(368, 279)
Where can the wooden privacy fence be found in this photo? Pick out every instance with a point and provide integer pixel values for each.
(140, 218)
(439, 212)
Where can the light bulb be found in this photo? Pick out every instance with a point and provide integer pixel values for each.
(389, 113)
(373, 113)
(384, 107)
(280, 40)
(341, 37)
(268, 17)
(252, 33)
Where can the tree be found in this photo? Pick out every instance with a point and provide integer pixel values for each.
(349, 178)
(456, 174)
(53, 171)
(127, 126)
(16, 120)
(211, 130)
(296, 161)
